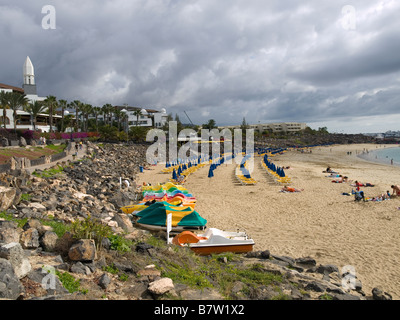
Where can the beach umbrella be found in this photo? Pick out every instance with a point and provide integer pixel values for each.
(174, 175)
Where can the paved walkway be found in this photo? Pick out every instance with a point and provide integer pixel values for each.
(81, 154)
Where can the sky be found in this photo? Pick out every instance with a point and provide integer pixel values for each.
(333, 64)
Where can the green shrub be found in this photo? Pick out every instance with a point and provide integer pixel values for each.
(9, 217)
(119, 243)
(60, 228)
(25, 197)
(69, 282)
(91, 229)
(47, 173)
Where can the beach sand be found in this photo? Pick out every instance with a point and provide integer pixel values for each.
(318, 222)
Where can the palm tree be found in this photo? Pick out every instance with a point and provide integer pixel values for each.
(63, 104)
(108, 110)
(51, 104)
(96, 111)
(124, 119)
(34, 109)
(16, 102)
(137, 113)
(76, 104)
(118, 114)
(86, 109)
(68, 120)
(211, 124)
(4, 103)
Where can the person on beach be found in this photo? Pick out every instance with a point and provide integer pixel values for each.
(396, 190)
(359, 195)
(341, 180)
(290, 189)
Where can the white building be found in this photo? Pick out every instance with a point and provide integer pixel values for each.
(148, 117)
(24, 120)
(29, 85)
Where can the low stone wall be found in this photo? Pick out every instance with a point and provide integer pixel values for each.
(24, 163)
(38, 162)
(58, 156)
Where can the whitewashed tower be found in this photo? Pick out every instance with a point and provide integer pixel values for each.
(29, 85)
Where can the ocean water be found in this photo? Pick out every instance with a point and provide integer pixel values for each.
(383, 155)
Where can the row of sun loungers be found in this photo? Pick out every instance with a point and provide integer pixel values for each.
(276, 177)
(243, 179)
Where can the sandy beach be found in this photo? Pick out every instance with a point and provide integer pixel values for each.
(319, 221)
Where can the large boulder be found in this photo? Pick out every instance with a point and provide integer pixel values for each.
(49, 241)
(22, 142)
(124, 222)
(379, 294)
(10, 286)
(161, 286)
(9, 232)
(121, 199)
(7, 196)
(48, 280)
(4, 142)
(14, 253)
(29, 239)
(83, 250)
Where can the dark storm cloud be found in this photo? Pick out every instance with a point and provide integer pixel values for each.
(263, 60)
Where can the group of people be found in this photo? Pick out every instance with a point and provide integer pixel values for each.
(42, 141)
(358, 193)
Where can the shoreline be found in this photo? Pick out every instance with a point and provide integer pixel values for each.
(320, 221)
(385, 161)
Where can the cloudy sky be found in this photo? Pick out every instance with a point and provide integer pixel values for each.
(326, 63)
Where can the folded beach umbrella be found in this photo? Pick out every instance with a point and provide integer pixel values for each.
(157, 213)
(210, 172)
(174, 175)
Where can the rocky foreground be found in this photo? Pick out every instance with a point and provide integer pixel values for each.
(63, 236)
